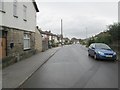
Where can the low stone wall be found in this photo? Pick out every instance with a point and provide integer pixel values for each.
(17, 52)
(9, 60)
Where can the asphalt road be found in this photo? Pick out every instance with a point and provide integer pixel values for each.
(71, 67)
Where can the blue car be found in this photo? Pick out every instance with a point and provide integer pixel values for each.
(101, 51)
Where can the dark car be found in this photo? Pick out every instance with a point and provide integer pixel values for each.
(101, 51)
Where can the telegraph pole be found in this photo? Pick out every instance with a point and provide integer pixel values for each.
(86, 32)
(61, 31)
(86, 36)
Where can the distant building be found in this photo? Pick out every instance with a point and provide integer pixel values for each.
(66, 41)
(45, 40)
(49, 40)
(17, 28)
(75, 40)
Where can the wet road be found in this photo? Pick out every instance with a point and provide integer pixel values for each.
(71, 67)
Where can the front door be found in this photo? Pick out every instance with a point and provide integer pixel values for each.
(2, 47)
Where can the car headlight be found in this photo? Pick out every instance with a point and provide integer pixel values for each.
(101, 53)
(114, 53)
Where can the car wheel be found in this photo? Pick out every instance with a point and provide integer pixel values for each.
(115, 60)
(95, 56)
(88, 54)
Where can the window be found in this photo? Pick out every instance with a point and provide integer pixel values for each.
(15, 8)
(24, 13)
(26, 41)
(2, 6)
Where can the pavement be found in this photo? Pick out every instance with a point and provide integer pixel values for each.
(0, 79)
(0, 73)
(16, 74)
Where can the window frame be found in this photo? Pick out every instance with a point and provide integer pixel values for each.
(15, 6)
(2, 6)
(26, 37)
(24, 12)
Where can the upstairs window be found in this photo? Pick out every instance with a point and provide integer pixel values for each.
(24, 13)
(15, 8)
(2, 6)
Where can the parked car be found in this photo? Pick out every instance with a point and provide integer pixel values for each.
(101, 51)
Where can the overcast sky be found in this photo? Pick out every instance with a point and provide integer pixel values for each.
(78, 17)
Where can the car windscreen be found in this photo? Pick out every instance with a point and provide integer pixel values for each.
(102, 46)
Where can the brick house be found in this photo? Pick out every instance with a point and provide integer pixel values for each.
(48, 39)
(45, 39)
(17, 29)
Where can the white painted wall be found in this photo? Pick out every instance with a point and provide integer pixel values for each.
(55, 38)
(10, 21)
(50, 38)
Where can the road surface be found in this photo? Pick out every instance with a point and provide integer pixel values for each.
(71, 67)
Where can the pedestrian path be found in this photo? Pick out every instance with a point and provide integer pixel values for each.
(14, 75)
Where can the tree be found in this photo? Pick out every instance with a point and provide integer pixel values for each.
(114, 31)
(104, 37)
(90, 41)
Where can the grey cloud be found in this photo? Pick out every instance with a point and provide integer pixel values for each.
(76, 17)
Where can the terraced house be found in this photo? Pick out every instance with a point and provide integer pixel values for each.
(17, 29)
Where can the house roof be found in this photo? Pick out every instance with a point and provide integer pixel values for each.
(67, 39)
(35, 5)
(47, 32)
